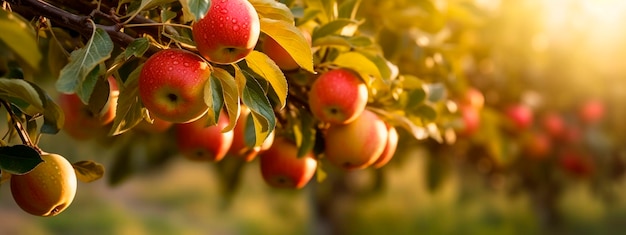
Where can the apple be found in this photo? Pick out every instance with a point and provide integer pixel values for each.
(358, 144)
(521, 116)
(279, 55)
(474, 98)
(591, 111)
(48, 189)
(576, 164)
(228, 32)
(537, 145)
(470, 116)
(338, 96)
(199, 142)
(554, 125)
(171, 85)
(239, 148)
(80, 122)
(282, 168)
(390, 148)
(157, 126)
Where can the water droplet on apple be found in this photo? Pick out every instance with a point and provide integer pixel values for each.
(235, 27)
(186, 64)
(170, 68)
(224, 11)
(234, 21)
(175, 62)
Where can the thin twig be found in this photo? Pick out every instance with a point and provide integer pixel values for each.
(21, 132)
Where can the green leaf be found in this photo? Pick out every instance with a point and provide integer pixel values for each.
(304, 133)
(130, 110)
(324, 12)
(53, 117)
(309, 14)
(18, 159)
(289, 37)
(82, 63)
(260, 107)
(137, 48)
(20, 38)
(214, 98)
(320, 174)
(230, 93)
(426, 112)
(273, 10)
(20, 90)
(183, 39)
(332, 28)
(359, 63)
(198, 8)
(436, 91)
(167, 15)
(348, 9)
(88, 171)
(262, 65)
(415, 98)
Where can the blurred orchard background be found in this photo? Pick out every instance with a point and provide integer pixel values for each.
(553, 56)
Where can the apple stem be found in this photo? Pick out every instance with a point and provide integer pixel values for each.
(21, 132)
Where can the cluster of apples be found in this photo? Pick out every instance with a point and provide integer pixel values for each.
(356, 137)
(469, 106)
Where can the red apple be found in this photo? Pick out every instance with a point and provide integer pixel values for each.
(537, 145)
(239, 148)
(554, 125)
(474, 98)
(282, 168)
(157, 126)
(390, 148)
(591, 111)
(576, 164)
(80, 122)
(521, 116)
(171, 85)
(228, 32)
(200, 142)
(470, 116)
(279, 55)
(358, 144)
(338, 96)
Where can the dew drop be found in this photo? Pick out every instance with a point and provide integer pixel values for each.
(234, 21)
(175, 62)
(170, 68)
(186, 64)
(224, 11)
(235, 27)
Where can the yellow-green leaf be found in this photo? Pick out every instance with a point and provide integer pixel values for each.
(20, 38)
(231, 96)
(359, 63)
(264, 66)
(20, 90)
(273, 9)
(88, 171)
(130, 110)
(291, 39)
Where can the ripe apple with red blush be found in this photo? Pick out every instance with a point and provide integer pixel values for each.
(537, 145)
(282, 168)
(520, 116)
(358, 144)
(338, 96)
(390, 148)
(591, 111)
(470, 117)
(228, 32)
(199, 142)
(240, 148)
(554, 125)
(171, 85)
(576, 164)
(81, 123)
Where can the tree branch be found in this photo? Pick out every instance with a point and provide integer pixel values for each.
(78, 23)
